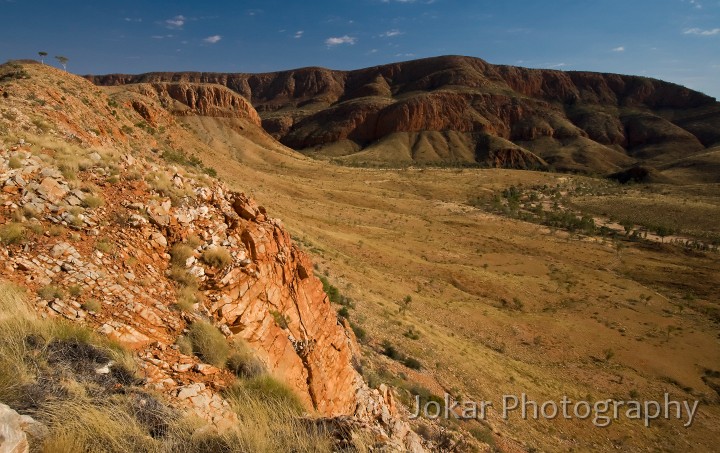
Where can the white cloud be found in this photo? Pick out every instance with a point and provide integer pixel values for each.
(162, 36)
(701, 32)
(132, 19)
(299, 34)
(176, 22)
(391, 33)
(334, 41)
(212, 39)
(558, 65)
(696, 4)
(619, 49)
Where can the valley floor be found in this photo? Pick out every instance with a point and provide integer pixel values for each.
(494, 306)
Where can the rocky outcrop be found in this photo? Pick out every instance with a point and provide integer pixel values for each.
(316, 107)
(196, 99)
(117, 254)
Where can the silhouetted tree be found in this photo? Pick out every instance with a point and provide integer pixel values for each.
(42, 56)
(63, 61)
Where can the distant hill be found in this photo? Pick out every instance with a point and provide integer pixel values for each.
(456, 109)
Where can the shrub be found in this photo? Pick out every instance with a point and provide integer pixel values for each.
(187, 298)
(280, 319)
(412, 363)
(75, 290)
(193, 241)
(182, 277)
(93, 201)
(179, 254)
(360, 333)
(12, 233)
(390, 351)
(104, 245)
(243, 363)
(93, 305)
(209, 343)
(14, 163)
(51, 292)
(56, 230)
(216, 257)
(184, 345)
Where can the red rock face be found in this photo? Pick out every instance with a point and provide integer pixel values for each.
(278, 305)
(196, 99)
(471, 96)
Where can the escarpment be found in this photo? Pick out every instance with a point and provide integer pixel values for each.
(576, 121)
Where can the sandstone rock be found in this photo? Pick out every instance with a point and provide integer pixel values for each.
(51, 190)
(14, 430)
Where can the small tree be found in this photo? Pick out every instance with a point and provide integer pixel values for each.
(663, 232)
(63, 61)
(405, 304)
(42, 56)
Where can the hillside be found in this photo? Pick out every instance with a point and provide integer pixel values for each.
(471, 282)
(116, 237)
(463, 110)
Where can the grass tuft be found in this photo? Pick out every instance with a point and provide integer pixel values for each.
(216, 257)
(209, 343)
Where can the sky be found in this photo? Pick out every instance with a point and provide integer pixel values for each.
(673, 40)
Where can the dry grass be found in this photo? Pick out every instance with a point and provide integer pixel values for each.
(216, 257)
(209, 343)
(389, 233)
(187, 298)
(93, 201)
(12, 233)
(243, 362)
(83, 416)
(179, 254)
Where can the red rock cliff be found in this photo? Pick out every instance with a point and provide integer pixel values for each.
(314, 106)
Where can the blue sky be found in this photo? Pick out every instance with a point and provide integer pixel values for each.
(674, 40)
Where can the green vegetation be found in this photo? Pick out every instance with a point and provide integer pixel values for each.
(181, 158)
(182, 277)
(93, 201)
(280, 319)
(92, 305)
(14, 163)
(360, 332)
(336, 297)
(75, 290)
(390, 351)
(12, 71)
(47, 371)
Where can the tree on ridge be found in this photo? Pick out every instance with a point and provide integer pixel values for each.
(63, 61)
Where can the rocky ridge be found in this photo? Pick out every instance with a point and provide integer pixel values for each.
(90, 231)
(136, 227)
(572, 120)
